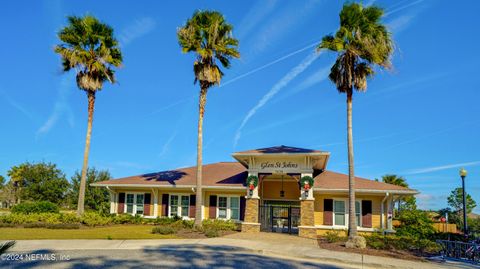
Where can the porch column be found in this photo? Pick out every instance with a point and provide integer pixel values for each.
(390, 213)
(252, 202)
(155, 202)
(307, 208)
(113, 202)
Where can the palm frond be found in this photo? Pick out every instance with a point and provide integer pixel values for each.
(89, 47)
(208, 35)
(6, 245)
(362, 42)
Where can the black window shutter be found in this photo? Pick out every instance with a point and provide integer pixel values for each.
(367, 213)
(148, 198)
(328, 211)
(212, 210)
(165, 204)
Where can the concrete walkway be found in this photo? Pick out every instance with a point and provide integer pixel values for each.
(271, 245)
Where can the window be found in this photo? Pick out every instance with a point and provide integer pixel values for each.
(179, 205)
(235, 208)
(185, 205)
(228, 207)
(339, 212)
(222, 207)
(358, 209)
(173, 205)
(130, 199)
(139, 203)
(135, 203)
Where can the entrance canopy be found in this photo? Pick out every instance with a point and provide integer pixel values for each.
(282, 160)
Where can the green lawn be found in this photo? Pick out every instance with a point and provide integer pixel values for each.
(112, 232)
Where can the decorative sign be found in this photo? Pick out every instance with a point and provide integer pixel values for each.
(278, 165)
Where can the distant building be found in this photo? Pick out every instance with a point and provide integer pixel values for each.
(275, 198)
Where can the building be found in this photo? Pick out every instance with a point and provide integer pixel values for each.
(267, 189)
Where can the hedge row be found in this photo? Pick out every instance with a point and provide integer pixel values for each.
(88, 219)
(211, 228)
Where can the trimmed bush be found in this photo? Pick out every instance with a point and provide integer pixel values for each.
(334, 236)
(211, 232)
(164, 229)
(95, 219)
(35, 207)
(6, 225)
(219, 225)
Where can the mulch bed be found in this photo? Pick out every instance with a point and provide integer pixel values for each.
(398, 254)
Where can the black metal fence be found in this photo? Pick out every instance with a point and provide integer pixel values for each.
(279, 218)
(460, 251)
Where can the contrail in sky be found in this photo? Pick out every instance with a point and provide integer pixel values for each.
(269, 64)
(297, 70)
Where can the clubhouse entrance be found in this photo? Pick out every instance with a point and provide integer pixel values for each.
(279, 210)
(279, 217)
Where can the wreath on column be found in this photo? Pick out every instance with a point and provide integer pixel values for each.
(252, 182)
(306, 182)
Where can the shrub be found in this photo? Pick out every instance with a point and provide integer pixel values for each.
(165, 220)
(164, 229)
(334, 236)
(219, 225)
(95, 219)
(69, 218)
(394, 242)
(35, 207)
(188, 224)
(211, 232)
(415, 223)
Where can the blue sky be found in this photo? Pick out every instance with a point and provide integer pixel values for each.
(419, 120)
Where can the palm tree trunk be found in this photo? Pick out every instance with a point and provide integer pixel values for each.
(81, 192)
(198, 193)
(352, 225)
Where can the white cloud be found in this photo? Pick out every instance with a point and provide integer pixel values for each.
(18, 106)
(257, 13)
(137, 29)
(441, 167)
(281, 24)
(60, 108)
(292, 74)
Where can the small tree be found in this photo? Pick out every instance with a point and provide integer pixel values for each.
(455, 200)
(417, 224)
(2, 181)
(39, 182)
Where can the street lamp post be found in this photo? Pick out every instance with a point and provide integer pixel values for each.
(463, 174)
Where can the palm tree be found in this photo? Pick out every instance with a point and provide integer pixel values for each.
(395, 180)
(399, 181)
(361, 43)
(89, 47)
(209, 36)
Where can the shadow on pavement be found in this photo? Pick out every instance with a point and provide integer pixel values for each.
(166, 256)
